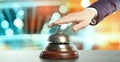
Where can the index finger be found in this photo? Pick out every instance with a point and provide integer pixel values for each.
(63, 20)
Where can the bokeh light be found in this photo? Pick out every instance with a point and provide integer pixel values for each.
(18, 23)
(5, 24)
(21, 12)
(63, 9)
(85, 3)
(9, 32)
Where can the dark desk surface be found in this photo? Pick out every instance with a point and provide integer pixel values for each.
(84, 56)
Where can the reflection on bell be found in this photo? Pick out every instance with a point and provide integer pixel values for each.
(59, 47)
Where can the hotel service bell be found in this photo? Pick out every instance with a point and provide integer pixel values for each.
(59, 47)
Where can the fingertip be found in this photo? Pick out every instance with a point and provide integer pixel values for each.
(51, 25)
(74, 29)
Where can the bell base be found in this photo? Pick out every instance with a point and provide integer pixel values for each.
(59, 55)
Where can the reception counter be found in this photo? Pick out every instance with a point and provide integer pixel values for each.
(84, 56)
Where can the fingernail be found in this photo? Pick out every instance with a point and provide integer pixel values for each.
(50, 25)
(74, 29)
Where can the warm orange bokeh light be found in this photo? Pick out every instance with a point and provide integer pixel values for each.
(110, 27)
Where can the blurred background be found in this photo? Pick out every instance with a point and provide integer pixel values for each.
(23, 25)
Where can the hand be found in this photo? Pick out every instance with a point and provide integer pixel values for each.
(79, 20)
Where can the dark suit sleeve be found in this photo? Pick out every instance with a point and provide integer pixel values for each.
(104, 8)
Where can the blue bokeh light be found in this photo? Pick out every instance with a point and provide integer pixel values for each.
(4, 24)
(9, 32)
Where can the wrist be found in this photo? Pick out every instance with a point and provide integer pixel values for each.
(94, 10)
(93, 21)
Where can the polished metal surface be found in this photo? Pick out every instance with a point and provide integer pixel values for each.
(59, 47)
(59, 37)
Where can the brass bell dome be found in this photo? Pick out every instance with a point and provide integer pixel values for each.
(59, 37)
